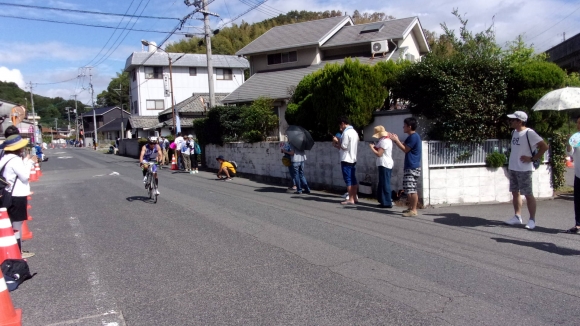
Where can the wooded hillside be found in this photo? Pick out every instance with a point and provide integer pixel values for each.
(233, 38)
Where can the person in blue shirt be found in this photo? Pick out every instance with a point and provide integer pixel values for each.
(39, 153)
(412, 167)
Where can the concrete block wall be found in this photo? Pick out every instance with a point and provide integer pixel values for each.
(480, 185)
(322, 168)
(437, 186)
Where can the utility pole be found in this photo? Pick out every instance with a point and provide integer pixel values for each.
(76, 117)
(33, 114)
(202, 8)
(120, 92)
(95, 138)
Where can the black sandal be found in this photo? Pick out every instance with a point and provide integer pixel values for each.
(573, 230)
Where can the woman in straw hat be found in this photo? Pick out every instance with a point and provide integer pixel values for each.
(15, 166)
(383, 150)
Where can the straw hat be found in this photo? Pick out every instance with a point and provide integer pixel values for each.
(380, 132)
(14, 142)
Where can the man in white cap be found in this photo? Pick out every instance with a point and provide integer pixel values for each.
(526, 147)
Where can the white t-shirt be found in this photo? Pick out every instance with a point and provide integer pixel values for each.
(16, 172)
(519, 147)
(386, 160)
(179, 142)
(348, 145)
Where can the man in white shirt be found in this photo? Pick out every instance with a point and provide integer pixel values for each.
(347, 146)
(179, 141)
(524, 141)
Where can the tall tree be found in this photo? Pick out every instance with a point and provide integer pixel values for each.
(112, 96)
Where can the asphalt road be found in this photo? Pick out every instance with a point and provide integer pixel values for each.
(221, 253)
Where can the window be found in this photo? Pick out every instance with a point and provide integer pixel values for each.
(223, 74)
(134, 73)
(155, 104)
(192, 71)
(135, 107)
(153, 72)
(284, 57)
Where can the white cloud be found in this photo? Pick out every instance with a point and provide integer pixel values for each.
(12, 75)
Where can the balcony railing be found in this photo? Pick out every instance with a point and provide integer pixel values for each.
(449, 154)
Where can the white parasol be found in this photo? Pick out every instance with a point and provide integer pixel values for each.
(561, 99)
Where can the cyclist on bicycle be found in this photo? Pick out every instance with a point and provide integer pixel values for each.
(150, 154)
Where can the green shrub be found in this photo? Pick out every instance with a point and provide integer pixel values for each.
(558, 160)
(142, 141)
(495, 160)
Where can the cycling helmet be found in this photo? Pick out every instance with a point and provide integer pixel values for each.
(152, 140)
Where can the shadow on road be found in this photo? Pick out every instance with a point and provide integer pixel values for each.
(569, 197)
(139, 198)
(454, 219)
(544, 246)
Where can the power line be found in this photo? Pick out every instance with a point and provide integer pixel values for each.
(111, 50)
(554, 24)
(272, 8)
(110, 37)
(59, 82)
(252, 7)
(82, 24)
(83, 11)
(257, 7)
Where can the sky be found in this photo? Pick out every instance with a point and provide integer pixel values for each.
(55, 56)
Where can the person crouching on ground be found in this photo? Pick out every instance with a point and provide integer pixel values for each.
(16, 167)
(226, 169)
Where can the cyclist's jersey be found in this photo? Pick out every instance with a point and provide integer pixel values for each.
(150, 154)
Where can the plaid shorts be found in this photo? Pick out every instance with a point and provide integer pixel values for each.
(521, 181)
(410, 177)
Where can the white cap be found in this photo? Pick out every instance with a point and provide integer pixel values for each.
(190, 136)
(520, 115)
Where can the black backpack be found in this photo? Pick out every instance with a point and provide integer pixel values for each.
(15, 272)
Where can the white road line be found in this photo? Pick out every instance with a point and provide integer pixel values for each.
(105, 304)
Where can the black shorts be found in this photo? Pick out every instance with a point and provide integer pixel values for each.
(17, 212)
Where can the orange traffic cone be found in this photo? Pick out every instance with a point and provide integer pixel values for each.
(33, 177)
(28, 218)
(173, 163)
(8, 315)
(25, 234)
(38, 171)
(8, 245)
(569, 162)
(29, 197)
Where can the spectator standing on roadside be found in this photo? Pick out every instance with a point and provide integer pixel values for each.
(16, 165)
(186, 153)
(348, 146)
(179, 141)
(10, 130)
(195, 151)
(298, 157)
(165, 160)
(412, 168)
(383, 150)
(285, 148)
(521, 167)
(574, 152)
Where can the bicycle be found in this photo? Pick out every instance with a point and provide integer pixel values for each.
(150, 186)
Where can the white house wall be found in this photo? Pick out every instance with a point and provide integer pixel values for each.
(184, 86)
(413, 46)
(305, 57)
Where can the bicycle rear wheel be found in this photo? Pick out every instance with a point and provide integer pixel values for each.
(154, 190)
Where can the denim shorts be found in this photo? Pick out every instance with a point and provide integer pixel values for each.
(349, 173)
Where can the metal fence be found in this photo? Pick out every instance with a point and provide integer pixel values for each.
(448, 154)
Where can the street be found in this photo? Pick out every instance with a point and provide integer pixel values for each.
(220, 253)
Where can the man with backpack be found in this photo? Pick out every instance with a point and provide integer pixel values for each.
(227, 170)
(527, 147)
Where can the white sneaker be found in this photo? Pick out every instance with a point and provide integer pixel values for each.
(531, 225)
(157, 192)
(514, 220)
(144, 179)
(196, 171)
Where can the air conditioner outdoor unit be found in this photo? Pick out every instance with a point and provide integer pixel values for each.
(379, 47)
